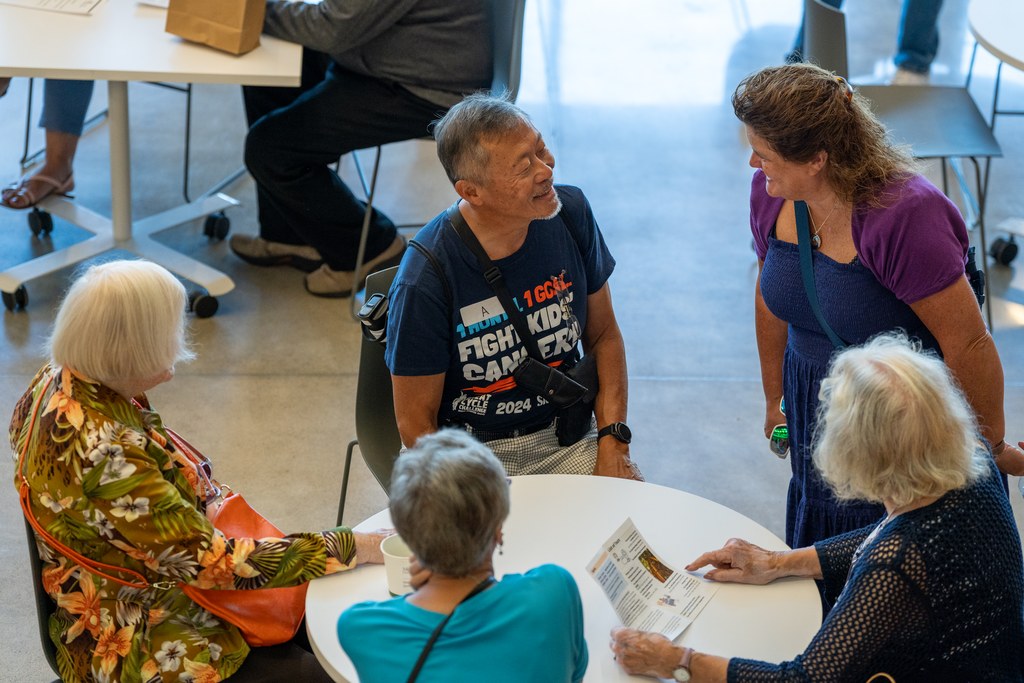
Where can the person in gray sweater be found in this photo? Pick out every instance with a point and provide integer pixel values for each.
(373, 72)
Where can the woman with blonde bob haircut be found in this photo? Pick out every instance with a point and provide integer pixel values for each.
(896, 428)
(106, 480)
(121, 320)
(932, 592)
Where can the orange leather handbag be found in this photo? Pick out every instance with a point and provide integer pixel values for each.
(265, 617)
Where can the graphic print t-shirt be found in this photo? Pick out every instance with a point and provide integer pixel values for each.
(549, 277)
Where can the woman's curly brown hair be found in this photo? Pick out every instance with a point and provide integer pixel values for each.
(801, 109)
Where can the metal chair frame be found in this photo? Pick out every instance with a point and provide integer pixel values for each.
(830, 52)
(376, 426)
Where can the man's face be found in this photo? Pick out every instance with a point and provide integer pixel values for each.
(519, 176)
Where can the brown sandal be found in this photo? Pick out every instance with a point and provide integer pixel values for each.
(21, 190)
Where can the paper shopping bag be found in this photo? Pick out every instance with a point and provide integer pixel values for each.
(230, 25)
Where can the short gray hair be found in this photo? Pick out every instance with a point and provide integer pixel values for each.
(121, 320)
(892, 425)
(460, 131)
(448, 498)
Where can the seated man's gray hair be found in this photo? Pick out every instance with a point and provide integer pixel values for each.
(460, 132)
(448, 497)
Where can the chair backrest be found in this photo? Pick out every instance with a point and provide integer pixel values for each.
(825, 37)
(44, 604)
(507, 33)
(376, 427)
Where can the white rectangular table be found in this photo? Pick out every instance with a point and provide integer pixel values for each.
(120, 42)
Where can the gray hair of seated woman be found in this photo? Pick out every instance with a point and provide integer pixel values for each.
(122, 320)
(448, 498)
(892, 425)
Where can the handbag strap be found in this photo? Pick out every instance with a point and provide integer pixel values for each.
(25, 493)
(480, 588)
(496, 281)
(803, 238)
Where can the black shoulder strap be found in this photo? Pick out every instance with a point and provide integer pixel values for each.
(495, 280)
(803, 238)
(480, 588)
(432, 259)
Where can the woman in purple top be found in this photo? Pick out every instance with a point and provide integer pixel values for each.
(890, 253)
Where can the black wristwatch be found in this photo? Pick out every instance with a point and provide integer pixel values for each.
(617, 429)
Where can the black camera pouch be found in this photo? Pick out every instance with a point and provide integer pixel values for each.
(548, 383)
(574, 421)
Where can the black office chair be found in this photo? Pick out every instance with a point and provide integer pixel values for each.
(938, 122)
(44, 604)
(376, 428)
(506, 19)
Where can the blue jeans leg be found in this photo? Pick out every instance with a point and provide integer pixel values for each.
(796, 55)
(919, 35)
(64, 105)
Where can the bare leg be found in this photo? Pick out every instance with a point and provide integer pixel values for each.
(60, 155)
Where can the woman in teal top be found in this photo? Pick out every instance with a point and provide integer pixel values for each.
(449, 498)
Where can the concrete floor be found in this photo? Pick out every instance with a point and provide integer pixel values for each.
(635, 106)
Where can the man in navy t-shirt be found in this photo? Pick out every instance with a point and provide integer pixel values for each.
(451, 363)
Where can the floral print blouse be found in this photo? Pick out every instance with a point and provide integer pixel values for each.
(106, 481)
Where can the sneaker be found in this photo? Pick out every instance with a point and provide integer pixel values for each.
(337, 284)
(261, 252)
(906, 77)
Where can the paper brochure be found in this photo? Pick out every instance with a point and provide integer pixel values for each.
(646, 593)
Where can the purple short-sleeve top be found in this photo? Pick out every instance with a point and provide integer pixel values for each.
(915, 247)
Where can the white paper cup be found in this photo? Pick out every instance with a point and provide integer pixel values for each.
(397, 558)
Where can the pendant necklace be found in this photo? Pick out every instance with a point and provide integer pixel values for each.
(815, 240)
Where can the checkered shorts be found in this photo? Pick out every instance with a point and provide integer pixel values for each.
(540, 453)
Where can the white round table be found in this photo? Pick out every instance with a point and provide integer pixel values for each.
(564, 520)
(996, 25)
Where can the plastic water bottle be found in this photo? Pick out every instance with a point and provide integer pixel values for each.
(1020, 485)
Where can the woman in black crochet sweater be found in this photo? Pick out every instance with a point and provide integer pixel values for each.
(934, 591)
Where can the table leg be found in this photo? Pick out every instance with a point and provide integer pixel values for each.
(120, 161)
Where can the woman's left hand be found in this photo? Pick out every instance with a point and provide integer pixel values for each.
(418, 576)
(644, 654)
(1010, 459)
(368, 545)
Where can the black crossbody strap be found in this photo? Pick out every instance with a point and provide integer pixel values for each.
(496, 281)
(803, 238)
(480, 588)
(429, 255)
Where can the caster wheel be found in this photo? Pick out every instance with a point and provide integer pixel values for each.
(1003, 250)
(217, 225)
(40, 222)
(203, 305)
(17, 300)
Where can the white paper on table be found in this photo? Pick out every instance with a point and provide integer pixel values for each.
(156, 3)
(646, 593)
(84, 7)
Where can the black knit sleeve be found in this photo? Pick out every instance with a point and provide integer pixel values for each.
(879, 606)
(835, 555)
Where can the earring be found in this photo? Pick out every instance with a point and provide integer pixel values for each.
(501, 548)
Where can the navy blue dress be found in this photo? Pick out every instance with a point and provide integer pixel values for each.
(858, 307)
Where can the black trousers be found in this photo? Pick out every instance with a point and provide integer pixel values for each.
(295, 133)
(291, 662)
